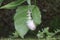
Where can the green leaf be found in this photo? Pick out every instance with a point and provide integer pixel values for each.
(36, 15)
(1, 0)
(20, 20)
(15, 34)
(13, 4)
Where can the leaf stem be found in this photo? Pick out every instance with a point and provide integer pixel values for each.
(29, 2)
(35, 2)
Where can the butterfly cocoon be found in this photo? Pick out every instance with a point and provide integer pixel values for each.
(31, 25)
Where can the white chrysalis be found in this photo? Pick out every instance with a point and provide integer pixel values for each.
(30, 22)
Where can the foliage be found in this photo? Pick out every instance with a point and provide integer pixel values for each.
(33, 17)
(13, 4)
(45, 34)
(21, 17)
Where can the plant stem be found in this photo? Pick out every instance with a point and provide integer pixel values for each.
(29, 2)
(35, 2)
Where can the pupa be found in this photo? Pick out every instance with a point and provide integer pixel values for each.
(30, 23)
